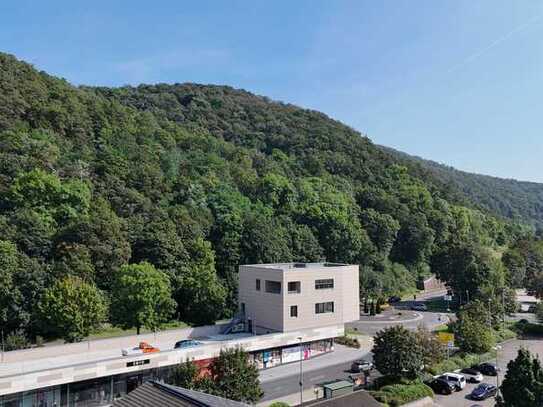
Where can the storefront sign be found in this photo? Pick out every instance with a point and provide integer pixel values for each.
(138, 363)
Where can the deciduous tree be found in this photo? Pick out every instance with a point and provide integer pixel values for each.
(72, 308)
(141, 297)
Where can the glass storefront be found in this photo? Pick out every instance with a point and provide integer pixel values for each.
(278, 356)
(103, 391)
(89, 393)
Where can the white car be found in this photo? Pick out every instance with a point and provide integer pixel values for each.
(458, 380)
(472, 375)
(132, 351)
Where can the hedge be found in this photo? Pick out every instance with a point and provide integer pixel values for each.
(348, 341)
(459, 362)
(398, 394)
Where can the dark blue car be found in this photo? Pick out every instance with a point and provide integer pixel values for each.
(187, 343)
(483, 391)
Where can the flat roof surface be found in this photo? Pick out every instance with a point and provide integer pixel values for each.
(340, 384)
(298, 266)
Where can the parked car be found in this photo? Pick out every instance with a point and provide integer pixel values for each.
(142, 348)
(393, 299)
(419, 306)
(487, 368)
(458, 380)
(441, 386)
(186, 343)
(483, 391)
(361, 365)
(472, 375)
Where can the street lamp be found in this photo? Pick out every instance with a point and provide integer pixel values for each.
(301, 372)
(497, 348)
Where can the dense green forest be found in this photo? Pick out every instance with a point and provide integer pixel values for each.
(171, 187)
(519, 201)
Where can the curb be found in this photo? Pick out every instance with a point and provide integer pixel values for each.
(418, 318)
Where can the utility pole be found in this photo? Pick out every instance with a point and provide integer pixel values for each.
(2, 345)
(503, 308)
(467, 297)
(301, 372)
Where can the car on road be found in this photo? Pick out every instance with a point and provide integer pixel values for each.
(458, 380)
(472, 375)
(361, 365)
(441, 386)
(186, 343)
(393, 299)
(487, 368)
(419, 306)
(483, 391)
(142, 348)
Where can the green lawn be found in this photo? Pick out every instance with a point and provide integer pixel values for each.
(109, 331)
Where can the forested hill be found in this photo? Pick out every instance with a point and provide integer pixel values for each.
(517, 200)
(196, 180)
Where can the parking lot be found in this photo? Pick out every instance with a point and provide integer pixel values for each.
(509, 351)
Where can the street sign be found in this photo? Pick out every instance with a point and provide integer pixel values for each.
(446, 338)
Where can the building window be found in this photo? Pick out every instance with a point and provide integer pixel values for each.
(257, 284)
(294, 287)
(294, 311)
(273, 287)
(324, 307)
(243, 307)
(322, 284)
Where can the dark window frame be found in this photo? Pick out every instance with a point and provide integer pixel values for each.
(324, 307)
(324, 284)
(269, 286)
(298, 287)
(257, 284)
(295, 313)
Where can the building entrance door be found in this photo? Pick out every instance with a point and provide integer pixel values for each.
(132, 382)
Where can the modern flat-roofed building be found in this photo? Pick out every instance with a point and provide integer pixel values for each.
(284, 297)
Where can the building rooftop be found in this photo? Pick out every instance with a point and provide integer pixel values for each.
(298, 266)
(152, 394)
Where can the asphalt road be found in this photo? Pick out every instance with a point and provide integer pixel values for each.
(290, 384)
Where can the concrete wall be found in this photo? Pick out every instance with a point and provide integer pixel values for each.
(89, 369)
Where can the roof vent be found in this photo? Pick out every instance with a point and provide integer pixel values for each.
(300, 265)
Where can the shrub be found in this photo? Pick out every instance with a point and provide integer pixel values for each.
(348, 341)
(279, 404)
(16, 340)
(459, 362)
(527, 328)
(398, 394)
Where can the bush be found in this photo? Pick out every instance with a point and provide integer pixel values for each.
(502, 334)
(459, 362)
(279, 404)
(348, 341)
(527, 328)
(398, 394)
(16, 340)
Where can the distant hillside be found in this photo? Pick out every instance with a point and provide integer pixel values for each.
(517, 200)
(196, 180)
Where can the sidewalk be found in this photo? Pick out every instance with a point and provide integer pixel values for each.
(293, 399)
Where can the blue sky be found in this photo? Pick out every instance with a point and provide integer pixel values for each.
(456, 81)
